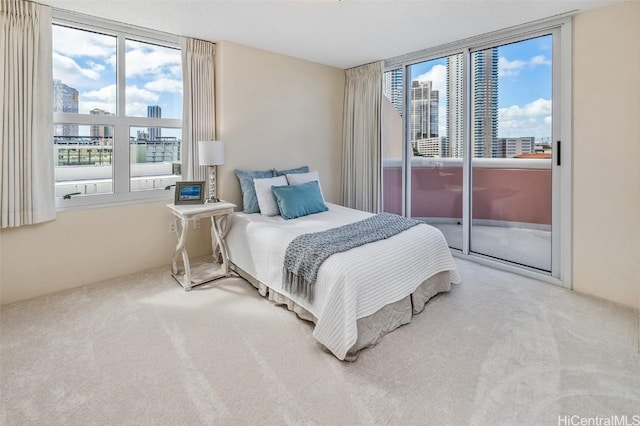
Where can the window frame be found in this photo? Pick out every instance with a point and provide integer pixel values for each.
(561, 28)
(121, 122)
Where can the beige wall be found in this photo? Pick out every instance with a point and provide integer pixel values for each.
(275, 111)
(606, 153)
(86, 246)
(272, 111)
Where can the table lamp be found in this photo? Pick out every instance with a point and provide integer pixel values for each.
(210, 154)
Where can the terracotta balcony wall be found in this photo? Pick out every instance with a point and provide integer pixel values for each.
(504, 190)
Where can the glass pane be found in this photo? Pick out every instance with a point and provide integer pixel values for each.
(436, 138)
(392, 125)
(154, 80)
(511, 92)
(83, 158)
(155, 154)
(84, 72)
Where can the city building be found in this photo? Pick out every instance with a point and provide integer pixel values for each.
(484, 98)
(514, 147)
(154, 111)
(424, 112)
(393, 89)
(429, 147)
(158, 150)
(100, 131)
(453, 145)
(65, 99)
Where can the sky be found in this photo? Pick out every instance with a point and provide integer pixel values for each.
(524, 88)
(87, 62)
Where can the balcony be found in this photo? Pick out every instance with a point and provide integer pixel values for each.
(511, 204)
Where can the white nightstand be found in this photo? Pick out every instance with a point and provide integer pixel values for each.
(186, 214)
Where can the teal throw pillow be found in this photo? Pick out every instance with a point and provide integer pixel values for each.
(249, 199)
(303, 169)
(299, 200)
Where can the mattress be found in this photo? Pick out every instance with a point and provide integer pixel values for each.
(350, 285)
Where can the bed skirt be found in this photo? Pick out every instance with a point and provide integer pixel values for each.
(373, 327)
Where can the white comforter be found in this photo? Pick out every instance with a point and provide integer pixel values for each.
(350, 285)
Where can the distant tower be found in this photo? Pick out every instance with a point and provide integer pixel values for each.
(98, 131)
(484, 101)
(455, 114)
(154, 111)
(425, 105)
(65, 99)
(393, 89)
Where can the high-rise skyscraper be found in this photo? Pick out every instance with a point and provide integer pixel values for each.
(484, 101)
(65, 99)
(154, 111)
(424, 110)
(425, 106)
(393, 89)
(454, 142)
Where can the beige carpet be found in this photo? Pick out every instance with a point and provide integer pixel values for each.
(497, 349)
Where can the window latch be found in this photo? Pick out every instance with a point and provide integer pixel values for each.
(69, 195)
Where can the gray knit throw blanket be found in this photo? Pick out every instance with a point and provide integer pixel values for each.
(306, 252)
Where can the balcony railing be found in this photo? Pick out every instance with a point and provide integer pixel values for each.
(504, 190)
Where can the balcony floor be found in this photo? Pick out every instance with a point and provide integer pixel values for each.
(530, 247)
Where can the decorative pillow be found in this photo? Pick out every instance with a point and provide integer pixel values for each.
(299, 200)
(246, 177)
(266, 200)
(298, 178)
(303, 169)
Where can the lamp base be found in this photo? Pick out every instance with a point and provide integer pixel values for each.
(212, 186)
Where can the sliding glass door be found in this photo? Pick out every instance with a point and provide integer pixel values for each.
(434, 148)
(511, 134)
(469, 140)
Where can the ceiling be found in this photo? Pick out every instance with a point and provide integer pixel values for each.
(343, 33)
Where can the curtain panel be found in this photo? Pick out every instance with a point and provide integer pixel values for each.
(198, 116)
(362, 138)
(27, 180)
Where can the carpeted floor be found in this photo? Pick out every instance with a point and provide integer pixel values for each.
(497, 349)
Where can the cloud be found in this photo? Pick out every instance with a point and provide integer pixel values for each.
(105, 94)
(135, 94)
(96, 67)
(437, 75)
(539, 60)
(70, 72)
(78, 43)
(105, 99)
(537, 108)
(138, 99)
(144, 59)
(532, 119)
(507, 68)
(165, 85)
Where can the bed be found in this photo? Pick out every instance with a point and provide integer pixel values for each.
(360, 294)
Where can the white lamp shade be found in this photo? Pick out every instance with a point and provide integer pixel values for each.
(210, 153)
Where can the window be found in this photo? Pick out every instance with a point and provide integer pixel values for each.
(117, 102)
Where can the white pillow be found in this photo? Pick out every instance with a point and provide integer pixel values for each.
(266, 200)
(298, 178)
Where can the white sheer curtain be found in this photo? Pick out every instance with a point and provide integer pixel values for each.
(198, 112)
(362, 138)
(26, 113)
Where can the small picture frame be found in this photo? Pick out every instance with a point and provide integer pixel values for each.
(189, 192)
